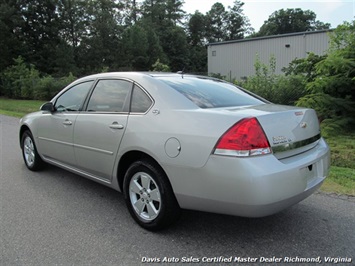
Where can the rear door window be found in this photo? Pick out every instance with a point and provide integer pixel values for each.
(110, 96)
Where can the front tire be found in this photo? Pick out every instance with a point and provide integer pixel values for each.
(149, 196)
(29, 152)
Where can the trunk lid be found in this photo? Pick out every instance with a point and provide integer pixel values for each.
(289, 130)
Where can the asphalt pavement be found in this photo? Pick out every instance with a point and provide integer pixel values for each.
(54, 217)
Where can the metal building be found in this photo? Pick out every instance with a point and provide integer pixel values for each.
(236, 59)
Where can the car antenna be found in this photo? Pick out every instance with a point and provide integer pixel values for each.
(182, 72)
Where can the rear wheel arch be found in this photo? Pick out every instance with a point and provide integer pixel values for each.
(130, 157)
(148, 192)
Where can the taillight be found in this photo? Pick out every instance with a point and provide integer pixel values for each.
(245, 138)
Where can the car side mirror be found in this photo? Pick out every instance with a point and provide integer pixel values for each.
(49, 107)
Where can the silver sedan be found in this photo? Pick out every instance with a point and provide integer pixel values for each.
(172, 141)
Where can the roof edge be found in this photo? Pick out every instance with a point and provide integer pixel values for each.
(271, 37)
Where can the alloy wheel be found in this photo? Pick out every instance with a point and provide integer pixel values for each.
(145, 196)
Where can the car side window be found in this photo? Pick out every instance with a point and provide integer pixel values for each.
(110, 96)
(72, 99)
(140, 101)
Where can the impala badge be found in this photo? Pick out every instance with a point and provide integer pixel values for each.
(303, 125)
(279, 140)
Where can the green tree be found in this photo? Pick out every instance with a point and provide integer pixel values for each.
(237, 23)
(163, 17)
(196, 37)
(163, 13)
(39, 33)
(10, 24)
(135, 46)
(196, 29)
(175, 46)
(332, 92)
(223, 25)
(289, 21)
(19, 80)
(174, 10)
(304, 66)
(155, 49)
(74, 28)
(103, 40)
(131, 12)
(216, 23)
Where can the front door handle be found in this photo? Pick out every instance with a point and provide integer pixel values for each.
(115, 125)
(67, 122)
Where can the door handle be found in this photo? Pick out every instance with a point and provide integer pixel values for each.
(67, 122)
(115, 125)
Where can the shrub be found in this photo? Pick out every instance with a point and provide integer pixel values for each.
(279, 89)
(160, 67)
(19, 80)
(332, 91)
(48, 86)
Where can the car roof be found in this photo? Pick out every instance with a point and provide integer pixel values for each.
(142, 74)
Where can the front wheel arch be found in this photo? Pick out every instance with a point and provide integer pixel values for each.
(22, 130)
(32, 159)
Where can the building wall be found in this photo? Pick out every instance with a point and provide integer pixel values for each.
(235, 59)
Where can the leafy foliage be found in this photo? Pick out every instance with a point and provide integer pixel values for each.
(278, 89)
(160, 67)
(332, 91)
(223, 25)
(304, 66)
(23, 81)
(289, 21)
(10, 24)
(19, 80)
(47, 87)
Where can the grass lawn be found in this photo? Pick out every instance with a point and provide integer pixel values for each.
(18, 108)
(341, 179)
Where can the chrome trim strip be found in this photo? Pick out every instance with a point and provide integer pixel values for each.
(93, 149)
(56, 141)
(295, 145)
(75, 170)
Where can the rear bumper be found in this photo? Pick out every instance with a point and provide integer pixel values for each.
(251, 187)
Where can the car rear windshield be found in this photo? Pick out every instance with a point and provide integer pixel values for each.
(210, 93)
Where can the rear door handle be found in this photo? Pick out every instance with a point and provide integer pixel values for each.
(67, 122)
(115, 125)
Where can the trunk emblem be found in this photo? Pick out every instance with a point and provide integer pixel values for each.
(279, 140)
(303, 125)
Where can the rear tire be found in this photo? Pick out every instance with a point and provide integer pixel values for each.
(29, 152)
(149, 196)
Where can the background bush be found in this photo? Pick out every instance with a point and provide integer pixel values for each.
(278, 89)
(21, 81)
